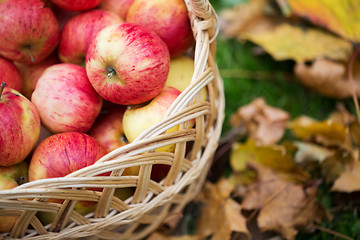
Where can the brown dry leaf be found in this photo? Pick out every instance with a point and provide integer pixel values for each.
(341, 17)
(159, 236)
(349, 180)
(289, 41)
(311, 152)
(283, 206)
(329, 78)
(246, 18)
(265, 124)
(327, 132)
(221, 215)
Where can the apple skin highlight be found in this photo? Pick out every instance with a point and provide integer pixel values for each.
(127, 64)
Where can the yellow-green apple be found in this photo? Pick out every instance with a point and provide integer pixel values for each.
(168, 18)
(180, 73)
(29, 31)
(19, 126)
(127, 63)
(140, 117)
(11, 75)
(10, 177)
(31, 73)
(65, 99)
(119, 7)
(77, 5)
(108, 130)
(80, 30)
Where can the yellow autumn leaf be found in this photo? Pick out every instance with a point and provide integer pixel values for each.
(272, 156)
(327, 131)
(340, 17)
(292, 42)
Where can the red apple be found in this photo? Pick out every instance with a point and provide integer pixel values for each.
(29, 32)
(168, 18)
(65, 99)
(108, 130)
(19, 126)
(11, 75)
(127, 64)
(119, 7)
(79, 32)
(77, 5)
(64, 153)
(11, 177)
(31, 73)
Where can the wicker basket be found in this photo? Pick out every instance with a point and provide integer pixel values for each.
(151, 202)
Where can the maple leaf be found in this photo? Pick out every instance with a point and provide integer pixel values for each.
(265, 124)
(221, 215)
(283, 206)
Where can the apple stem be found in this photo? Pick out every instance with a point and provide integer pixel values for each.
(30, 52)
(111, 72)
(3, 84)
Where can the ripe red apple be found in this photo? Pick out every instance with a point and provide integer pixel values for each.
(11, 75)
(108, 130)
(127, 64)
(168, 18)
(29, 31)
(11, 177)
(119, 7)
(77, 5)
(79, 32)
(64, 153)
(31, 73)
(139, 118)
(65, 99)
(19, 126)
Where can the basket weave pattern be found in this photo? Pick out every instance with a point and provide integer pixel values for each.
(152, 201)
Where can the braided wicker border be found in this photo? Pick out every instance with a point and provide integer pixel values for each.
(151, 202)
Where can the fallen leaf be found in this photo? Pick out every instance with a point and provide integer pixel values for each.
(221, 215)
(326, 132)
(265, 124)
(283, 206)
(247, 17)
(311, 152)
(349, 180)
(274, 156)
(329, 78)
(334, 165)
(287, 42)
(340, 17)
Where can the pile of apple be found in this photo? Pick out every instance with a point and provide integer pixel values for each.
(82, 78)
